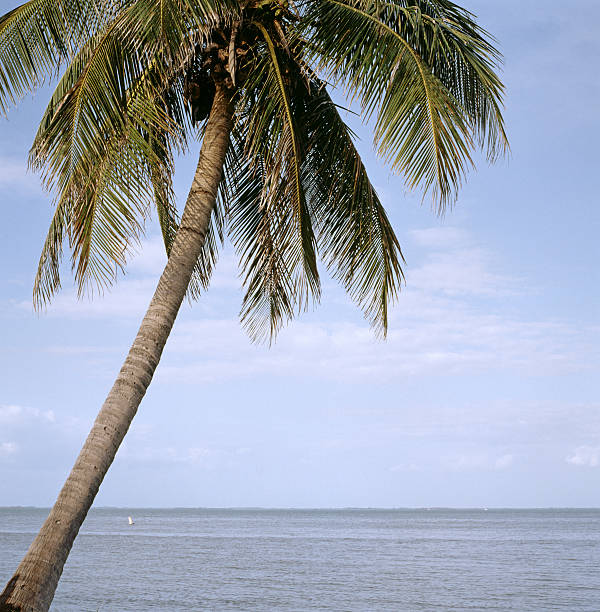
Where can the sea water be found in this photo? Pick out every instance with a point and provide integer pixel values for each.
(254, 559)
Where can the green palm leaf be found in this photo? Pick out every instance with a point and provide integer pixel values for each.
(37, 37)
(271, 224)
(94, 149)
(399, 60)
(293, 178)
(262, 238)
(354, 235)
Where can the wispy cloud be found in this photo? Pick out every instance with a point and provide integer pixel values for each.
(129, 297)
(40, 438)
(457, 343)
(481, 461)
(13, 414)
(439, 238)
(439, 325)
(585, 456)
(503, 462)
(435, 328)
(77, 349)
(455, 266)
(8, 449)
(12, 171)
(201, 457)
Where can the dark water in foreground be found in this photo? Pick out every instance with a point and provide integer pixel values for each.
(322, 559)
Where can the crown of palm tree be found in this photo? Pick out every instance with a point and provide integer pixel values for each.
(139, 74)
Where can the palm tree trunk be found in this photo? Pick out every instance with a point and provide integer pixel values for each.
(32, 587)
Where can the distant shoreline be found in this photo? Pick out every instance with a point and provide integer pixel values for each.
(325, 509)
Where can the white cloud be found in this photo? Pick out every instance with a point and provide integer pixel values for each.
(481, 461)
(42, 437)
(439, 237)
(196, 456)
(13, 171)
(8, 448)
(419, 343)
(454, 266)
(503, 462)
(436, 327)
(128, 298)
(466, 462)
(585, 456)
(13, 414)
(149, 259)
(76, 350)
(463, 271)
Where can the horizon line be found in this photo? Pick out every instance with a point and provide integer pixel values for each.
(382, 508)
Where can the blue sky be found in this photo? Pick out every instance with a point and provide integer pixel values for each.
(484, 394)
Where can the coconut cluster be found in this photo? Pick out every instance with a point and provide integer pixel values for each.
(227, 58)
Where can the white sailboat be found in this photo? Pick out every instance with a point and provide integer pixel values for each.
(130, 520)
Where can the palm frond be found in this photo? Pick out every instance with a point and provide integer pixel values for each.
(174, 28)
(293, 179)
(354, 235)
(37, 37)
(290, 147)
(271, 224)
(398, 59)
(462, 55)
(47, 279)
(263, 236)
(161, 176)
(99, 148)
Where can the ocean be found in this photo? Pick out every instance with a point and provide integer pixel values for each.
(346, 560)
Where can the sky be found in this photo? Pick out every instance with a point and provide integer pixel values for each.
(485, 393)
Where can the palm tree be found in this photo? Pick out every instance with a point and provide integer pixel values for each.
(278, 170)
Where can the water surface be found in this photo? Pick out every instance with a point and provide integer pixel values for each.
(205, 559)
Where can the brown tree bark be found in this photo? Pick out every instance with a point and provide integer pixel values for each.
(32, 587)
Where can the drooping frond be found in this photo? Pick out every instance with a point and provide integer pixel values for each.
(47, 278)
(271, 223)
(37, 37)
(123, 89)
(98, 148)
(284, 162)
(162, 186)
(354, 235)
(263, 235)
(293, 181)
(461, 55)
(426, 70)
(104, 213)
